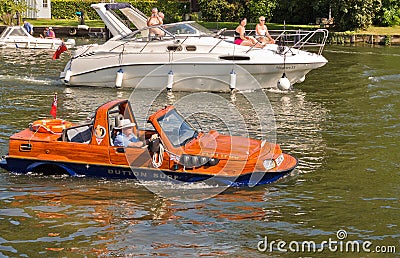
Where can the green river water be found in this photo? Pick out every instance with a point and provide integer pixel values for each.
(342, 123)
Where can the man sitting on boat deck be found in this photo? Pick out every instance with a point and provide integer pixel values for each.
(127, 138)
(28, 27)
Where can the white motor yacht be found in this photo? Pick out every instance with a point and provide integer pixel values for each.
(18, 37)
(167, 55)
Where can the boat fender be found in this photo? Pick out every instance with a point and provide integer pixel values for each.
(72, 32)
(170, 80)
(50, 125)
(119, 78)
(283, 83)
(232, 84)
(68, 74)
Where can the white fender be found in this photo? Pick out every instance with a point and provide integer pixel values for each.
(232, 83)
(119, 78)
(283, 83)
(170, 80)
(68, 74)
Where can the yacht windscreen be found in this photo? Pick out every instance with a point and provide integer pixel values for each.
(188, 28)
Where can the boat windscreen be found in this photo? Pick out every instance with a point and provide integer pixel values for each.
(5, 32)
(176, 128)
(187, 28)
(172, 30)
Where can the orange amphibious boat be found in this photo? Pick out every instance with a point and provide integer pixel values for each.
(179, 153)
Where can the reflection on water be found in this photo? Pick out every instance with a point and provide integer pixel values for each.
(342, 123)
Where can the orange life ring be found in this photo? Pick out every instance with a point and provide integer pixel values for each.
(50, 125)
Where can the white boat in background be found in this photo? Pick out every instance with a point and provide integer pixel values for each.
(18, 37)
(187, 50)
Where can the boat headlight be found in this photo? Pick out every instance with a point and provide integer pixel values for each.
(268, 164)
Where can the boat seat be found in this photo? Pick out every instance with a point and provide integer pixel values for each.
(79, 134)
(114, 123)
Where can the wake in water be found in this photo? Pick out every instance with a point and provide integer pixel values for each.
(26, 80)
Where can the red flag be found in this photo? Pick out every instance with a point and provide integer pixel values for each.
(53, 110)
(59, 51)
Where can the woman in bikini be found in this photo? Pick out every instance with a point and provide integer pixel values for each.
(262, 32)
(241, 39)
(155, 19)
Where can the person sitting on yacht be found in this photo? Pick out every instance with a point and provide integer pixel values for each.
(28, 27)
(155, 19)
(50, 34)
(241, 39)
(262, 32)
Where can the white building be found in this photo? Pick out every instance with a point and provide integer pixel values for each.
(42, 9)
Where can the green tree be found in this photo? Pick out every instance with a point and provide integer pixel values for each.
(389, 14)
(257, 8)
(219, 10)
(10, 7)
(354, 14)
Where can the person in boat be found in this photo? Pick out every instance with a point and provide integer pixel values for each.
(126, 137)
(241, 39)
(28, 27)
(45, 32)
(262, 32)
(156, 18)
(51, 34)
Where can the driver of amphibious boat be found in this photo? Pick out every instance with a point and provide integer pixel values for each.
(127, 138)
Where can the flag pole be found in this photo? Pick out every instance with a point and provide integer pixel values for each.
(53, 110)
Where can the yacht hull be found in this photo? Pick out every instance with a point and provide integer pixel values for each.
(191, 76)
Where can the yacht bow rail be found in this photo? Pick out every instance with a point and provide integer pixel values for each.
(301, 39)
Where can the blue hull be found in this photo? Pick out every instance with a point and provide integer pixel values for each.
(23, 166)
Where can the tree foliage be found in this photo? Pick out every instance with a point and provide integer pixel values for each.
(389, 14)
(347, 14)
(257, 8)
(354, 14)
(8, 8)
(218, 10)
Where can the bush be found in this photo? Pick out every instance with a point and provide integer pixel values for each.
(389, 15)
(354, 14)
(257, 8)
(220, 10)
(65, 9)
